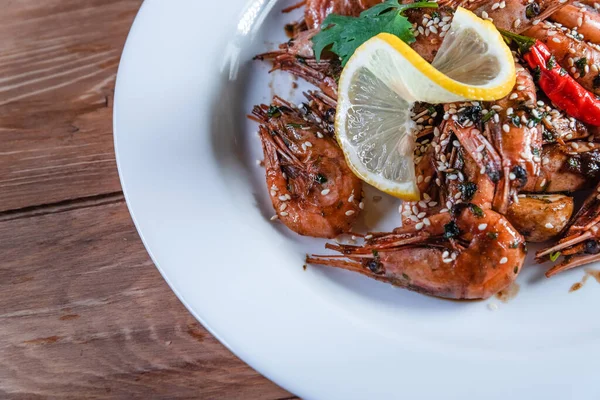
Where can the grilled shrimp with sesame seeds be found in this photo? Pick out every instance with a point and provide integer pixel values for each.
(517, 137)
(580, 245)
(583, 18)
(511, 15)
(313, 191)
(567, 168)
(579, 58)
(469, 253)
(464, 251)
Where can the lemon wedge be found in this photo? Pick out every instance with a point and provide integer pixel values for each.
(385, 77)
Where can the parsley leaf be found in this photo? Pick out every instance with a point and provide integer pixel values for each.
(343, 35)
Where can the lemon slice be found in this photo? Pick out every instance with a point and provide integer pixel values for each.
(385, 77)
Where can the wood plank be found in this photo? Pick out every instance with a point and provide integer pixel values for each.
(58, 63)
(84, 314)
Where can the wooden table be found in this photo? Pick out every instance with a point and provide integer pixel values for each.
(83, 311)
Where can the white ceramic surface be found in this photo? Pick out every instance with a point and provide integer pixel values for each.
(186, 156)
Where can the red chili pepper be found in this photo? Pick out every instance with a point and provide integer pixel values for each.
(564, 91)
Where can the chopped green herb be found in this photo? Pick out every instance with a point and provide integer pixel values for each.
(406, 276)
(554, 256)
(435, 14)
(431, 109)
(516, 269)
(451, 230)
(537, 73)
(532, 10)
(562, 71)
(551, 63)
(297, 126)
(468, 190)
(375, 253)
(274, 112)
(515, 244)
(320, 178)
(343, 35)
(488, 116)
(492, 235)
(548, 136)
(516, 120)
(573, 163)
(476, 210)
(580, 64)
(535, 151)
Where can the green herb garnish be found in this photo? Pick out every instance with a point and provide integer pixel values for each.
(320, 178)
(580, 64)
(451, 230)
(274, 112)
(468, 190)
(492, 235)
(488, 116)
(551, 63)
(343, 35)
(476, 210)
(554, 256)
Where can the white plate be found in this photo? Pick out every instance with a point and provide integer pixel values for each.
(186, 156)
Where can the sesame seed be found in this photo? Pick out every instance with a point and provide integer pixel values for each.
(535, 22)
(481, 147)
(420, 179)
(426, 222)
(413, 218)
(556, 40)
(502, 4)
(586, 69)
(422, 204)
(445, 254)
(325, 192)
(369, 237)
(482, 170)
(579, 21)
(283, 207)
(273, 193)
(517, 23)
(320, 135)
(520, 87)
(482, 227)
(575, 145)
(549, 225)
(452, 177)
(433, 203)
(419, 226)
(512, 176)
(537, 159)
(361, 205)
(274, 217)
(350, 212)
(447, 260)
(415, 210)
(503, 260)
(496, 118)
(506, 128)
(428, 179)
(457, 195)
(284, 214)
(448, 204)
(421, 215)
(406, 213)
(513, 96)
(283, 198)
(543, 183)
(595, 66)
(509, 111)
(484, 14)
(433, 29)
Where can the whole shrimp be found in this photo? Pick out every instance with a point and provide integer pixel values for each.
(513, 15)
(581, 242)
(582, 17)
(518, 141)
(567, 168)
(312, 189)
(468, 252)
(579, 58)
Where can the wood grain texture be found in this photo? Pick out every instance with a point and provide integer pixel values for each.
(58, 63)
(84, 314)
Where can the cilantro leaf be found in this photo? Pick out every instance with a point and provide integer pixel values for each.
(342, 35)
